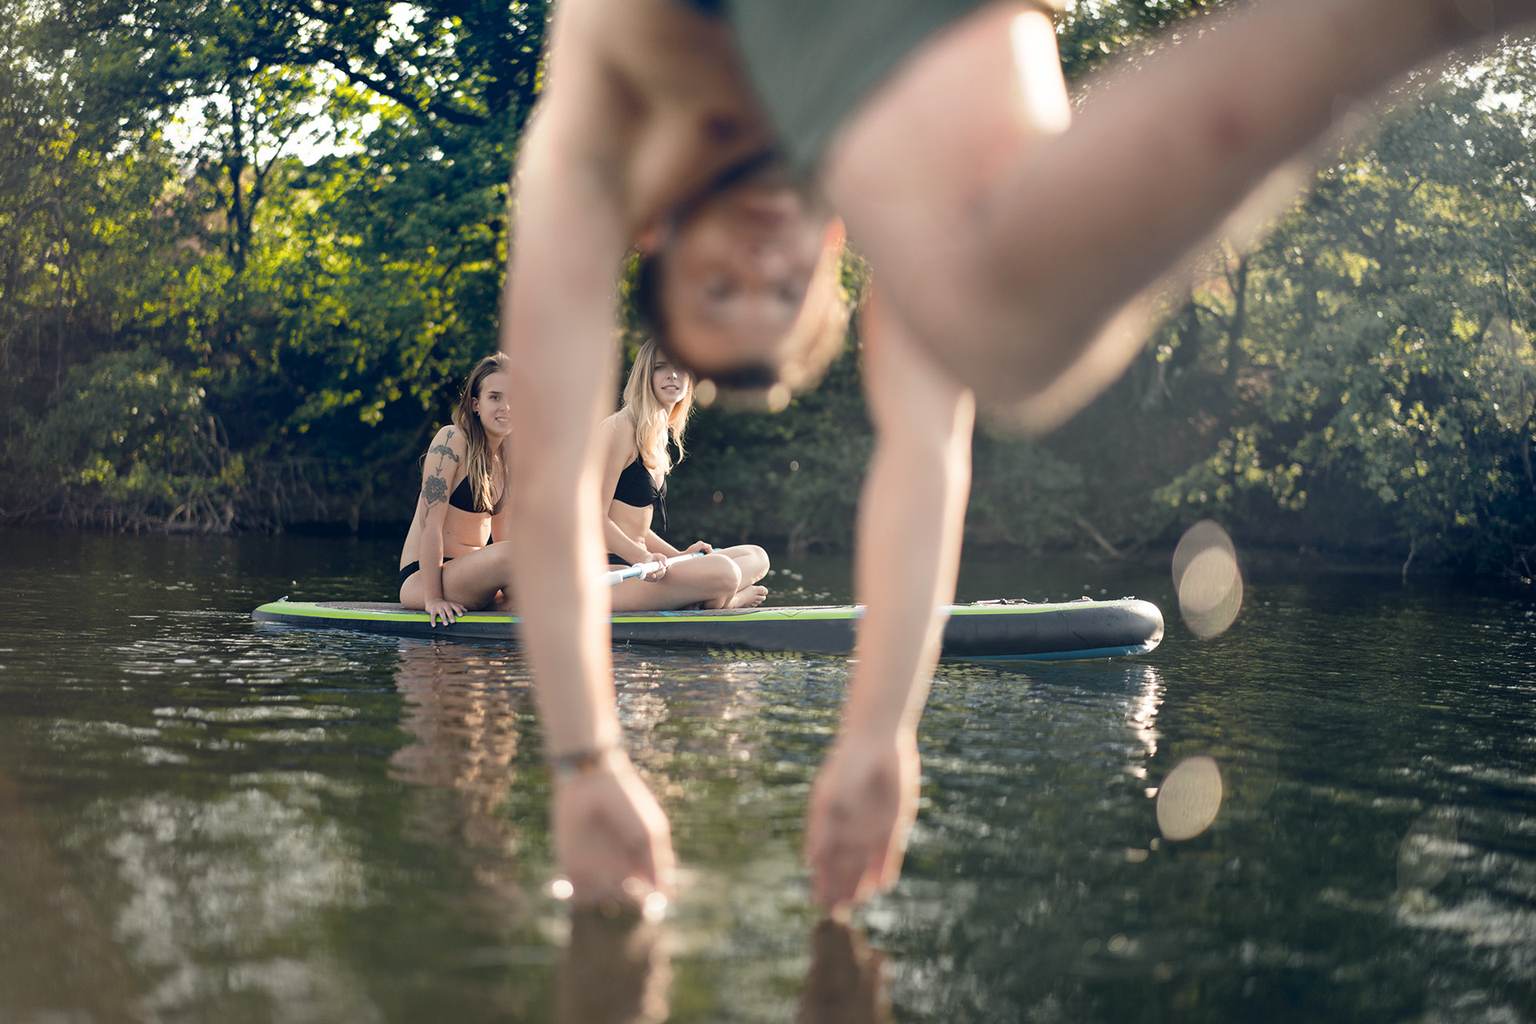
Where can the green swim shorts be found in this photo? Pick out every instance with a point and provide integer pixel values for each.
(813, 61)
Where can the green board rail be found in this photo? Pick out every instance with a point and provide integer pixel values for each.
(1011, 630)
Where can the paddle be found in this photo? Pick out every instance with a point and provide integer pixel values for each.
(642, 568)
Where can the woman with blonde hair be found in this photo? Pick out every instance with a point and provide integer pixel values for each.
(638, 443)
(449, 563)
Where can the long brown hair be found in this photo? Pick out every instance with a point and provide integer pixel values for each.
(480, 460)
(652, 422)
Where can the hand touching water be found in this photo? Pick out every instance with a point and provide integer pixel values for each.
(612, 839)
(862, 808)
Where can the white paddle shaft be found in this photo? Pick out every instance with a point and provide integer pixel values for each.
(639, 569)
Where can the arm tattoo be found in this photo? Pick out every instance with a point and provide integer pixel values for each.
(442, 451)
(435, 490)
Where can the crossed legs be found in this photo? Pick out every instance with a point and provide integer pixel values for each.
(725, 578)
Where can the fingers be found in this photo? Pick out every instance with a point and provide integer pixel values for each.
(854, 849)
(448, 611)
(614, 843)
(837, 874)
(652, 865)
(838, 856)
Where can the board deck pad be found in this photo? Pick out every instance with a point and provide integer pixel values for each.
(1007, 629)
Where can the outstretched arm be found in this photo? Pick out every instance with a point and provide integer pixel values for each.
(558, 329)
(910, 521)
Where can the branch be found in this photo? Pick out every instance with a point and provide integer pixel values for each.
(338, 60)
(1098, 538)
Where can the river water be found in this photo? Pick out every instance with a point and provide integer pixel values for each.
(201, 819)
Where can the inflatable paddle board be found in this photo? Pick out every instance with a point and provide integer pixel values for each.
(1008, 630)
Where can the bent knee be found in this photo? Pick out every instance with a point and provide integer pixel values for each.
(721, 575)
(502, 549)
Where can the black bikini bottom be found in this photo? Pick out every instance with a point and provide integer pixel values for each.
(407, 571)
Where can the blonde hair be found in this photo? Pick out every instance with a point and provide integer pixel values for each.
(479, 460)
(652, 422)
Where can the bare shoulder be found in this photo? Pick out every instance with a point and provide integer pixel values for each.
(448, 444)
(614, 427)
(617, 439)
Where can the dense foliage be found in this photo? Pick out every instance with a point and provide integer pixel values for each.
(247, 250)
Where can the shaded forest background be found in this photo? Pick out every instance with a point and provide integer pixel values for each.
(248, 249)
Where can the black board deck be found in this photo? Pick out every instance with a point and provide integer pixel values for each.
(1010, 630)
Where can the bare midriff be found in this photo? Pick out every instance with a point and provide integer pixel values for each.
(463, 533)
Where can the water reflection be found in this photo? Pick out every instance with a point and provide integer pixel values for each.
(206, 822)
(1141, 716)
(462, 711)
(616, 970)
(846, 983)
(1427, 853)
(44, 912)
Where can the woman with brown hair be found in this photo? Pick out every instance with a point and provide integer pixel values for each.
(449, 563)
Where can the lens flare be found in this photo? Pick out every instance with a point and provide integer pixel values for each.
(1189, 799)
(1207, 579)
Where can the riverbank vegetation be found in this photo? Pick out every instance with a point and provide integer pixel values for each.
(248, 249)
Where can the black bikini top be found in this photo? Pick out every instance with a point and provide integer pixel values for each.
(463, 498)
(636, 489)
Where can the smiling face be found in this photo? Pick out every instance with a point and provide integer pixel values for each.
(741, 283)
(492, 404)
(669, 382)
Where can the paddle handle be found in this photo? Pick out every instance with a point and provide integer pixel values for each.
(639, 569)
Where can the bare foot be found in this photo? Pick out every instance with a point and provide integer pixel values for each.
(749, 597)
